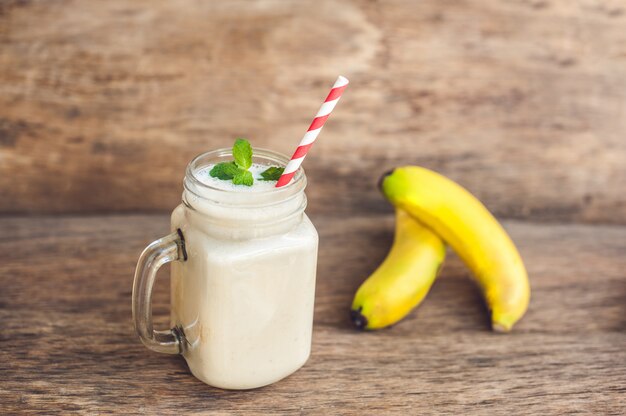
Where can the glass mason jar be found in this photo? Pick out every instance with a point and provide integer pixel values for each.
(242, 279)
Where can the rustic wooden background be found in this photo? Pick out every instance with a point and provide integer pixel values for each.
(102, 104)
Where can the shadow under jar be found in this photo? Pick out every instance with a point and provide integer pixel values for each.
(242, 279)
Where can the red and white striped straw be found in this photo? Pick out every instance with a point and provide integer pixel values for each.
(314, 130)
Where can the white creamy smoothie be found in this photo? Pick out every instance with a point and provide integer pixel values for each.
(243, 258)
(243, 299)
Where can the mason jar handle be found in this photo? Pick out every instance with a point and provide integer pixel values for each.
(164, 250)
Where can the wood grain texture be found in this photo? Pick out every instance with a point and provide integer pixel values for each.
(67, 343)
(103, 103)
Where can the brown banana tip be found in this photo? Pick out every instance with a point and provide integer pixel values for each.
(382, 178)
(358, 319)
(498, 327)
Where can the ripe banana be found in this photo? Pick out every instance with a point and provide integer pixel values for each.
(468, 227)
(403, 278)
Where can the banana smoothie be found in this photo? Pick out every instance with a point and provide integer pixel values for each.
(244, 259)
(243, 299)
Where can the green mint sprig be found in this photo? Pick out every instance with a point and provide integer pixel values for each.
(243, 177)
(237, 170)
(272, 173)
(242, 152)
(224, 171)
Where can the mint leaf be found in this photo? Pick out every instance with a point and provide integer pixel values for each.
(242, 152)
(224, 171)
(272, 173)
(237, 170)
(243, 177)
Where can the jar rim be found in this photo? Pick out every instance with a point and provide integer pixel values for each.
(269, 196)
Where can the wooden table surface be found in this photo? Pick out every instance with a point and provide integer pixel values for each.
(68, 344)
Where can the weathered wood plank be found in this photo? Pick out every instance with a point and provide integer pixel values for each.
(67, 343)
(103, 103)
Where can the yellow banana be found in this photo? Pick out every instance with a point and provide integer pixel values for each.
(403, 278)
(468, 227)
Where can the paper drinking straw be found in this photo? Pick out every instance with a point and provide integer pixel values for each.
(314, 130)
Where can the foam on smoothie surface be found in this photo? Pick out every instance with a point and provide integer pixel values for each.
(258, 185)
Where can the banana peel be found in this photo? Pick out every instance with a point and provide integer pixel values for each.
(454, 215)
(403, 279)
